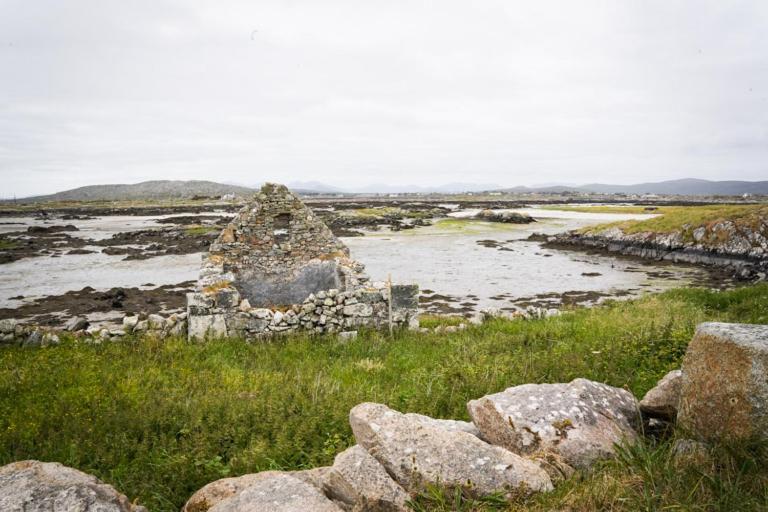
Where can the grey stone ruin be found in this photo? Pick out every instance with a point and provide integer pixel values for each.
(277, 267)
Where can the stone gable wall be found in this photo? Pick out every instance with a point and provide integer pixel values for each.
(277, 267)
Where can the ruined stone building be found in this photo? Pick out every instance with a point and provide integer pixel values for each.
(277, 267)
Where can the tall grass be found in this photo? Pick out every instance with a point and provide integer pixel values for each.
(159, 419)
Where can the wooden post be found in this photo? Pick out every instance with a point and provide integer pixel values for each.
(389, 301)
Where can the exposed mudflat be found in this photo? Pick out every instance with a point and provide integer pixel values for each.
(97, 305)
(102, 266)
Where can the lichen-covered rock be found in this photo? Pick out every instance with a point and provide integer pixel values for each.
(451, 425)
(213, 493)
(33, 486)
(417, 454)
(270, 491)
(359, 483)
(581, 421)
(661, 401)
(219, 491)
(724, 391)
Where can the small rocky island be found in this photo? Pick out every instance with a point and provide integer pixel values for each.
(504, 216)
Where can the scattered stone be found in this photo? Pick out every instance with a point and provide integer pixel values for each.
(417, 455)
(34, 339)
(687, 452)
(358, 482)
(661, 401)
(129, 322)
(76, 323)
(348, 335)
(724, 390)
(49, 339)
(8, 326)
(581, 421)
(33, 486)
(156, 322)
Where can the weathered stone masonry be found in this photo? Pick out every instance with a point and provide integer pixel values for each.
(276, 267)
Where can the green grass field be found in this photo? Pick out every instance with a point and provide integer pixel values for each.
(677, 218)
(159, 419)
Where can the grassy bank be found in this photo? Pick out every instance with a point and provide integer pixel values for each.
(681, 218)
(160, 419)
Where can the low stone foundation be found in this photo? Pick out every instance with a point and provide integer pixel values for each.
(223, 313)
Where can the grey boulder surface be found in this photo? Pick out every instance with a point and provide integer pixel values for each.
(359, 483)
(276, 491)
(222, 491)
(217, 491)
(34, 486)
(724, 391)
(580, 421)
(451, 425)
(662, 400)
(417, 454)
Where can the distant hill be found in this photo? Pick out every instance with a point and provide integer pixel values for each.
(684, 187)
(447, 188)
(168, 189)
(163, 189)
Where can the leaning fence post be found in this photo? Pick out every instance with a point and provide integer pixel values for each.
(389, 302)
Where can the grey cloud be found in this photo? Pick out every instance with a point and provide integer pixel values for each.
(361, 91)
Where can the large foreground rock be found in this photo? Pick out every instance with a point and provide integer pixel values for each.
(416, 454)
(581, 421)
(33, 486)
(724, 393)
(359, 483)
(219, 492)
(215, 492)
(270, 491)
(661, 401)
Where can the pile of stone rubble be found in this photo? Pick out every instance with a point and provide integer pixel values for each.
(522, 440)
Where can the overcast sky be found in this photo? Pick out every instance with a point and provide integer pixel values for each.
(356, 92)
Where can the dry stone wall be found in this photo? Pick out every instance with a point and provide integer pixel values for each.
(276, 268)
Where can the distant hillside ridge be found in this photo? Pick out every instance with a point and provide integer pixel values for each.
(159, 189)
(683, 187)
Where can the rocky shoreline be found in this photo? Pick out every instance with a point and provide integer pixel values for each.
(741, 252)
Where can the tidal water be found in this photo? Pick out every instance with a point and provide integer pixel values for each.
(462, 265)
